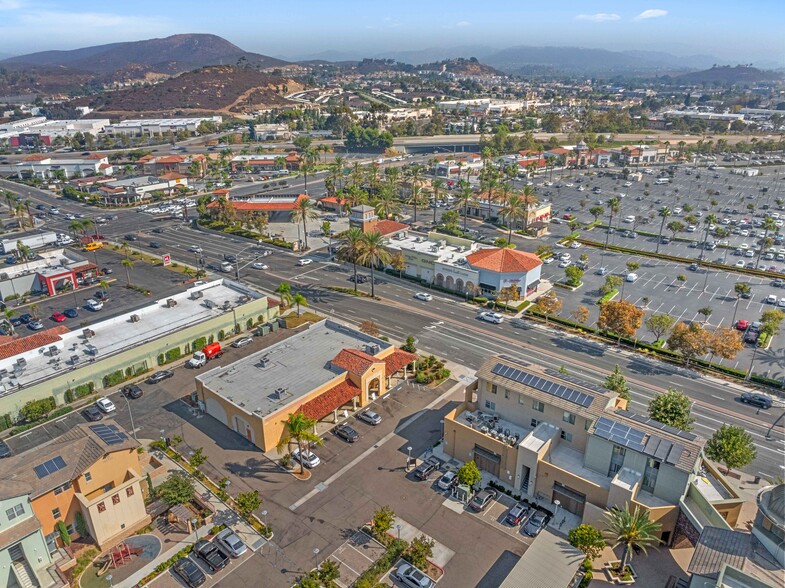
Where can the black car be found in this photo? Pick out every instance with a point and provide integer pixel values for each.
(756, 399)
(71, 313)
(91, 413)
(5, 450)
(160, 376)
(230, 258)
(346, 433)
(102, 295)
(131, 238)
(425, 469)
(189, 572)
(155, 245)
(536, 523)
(211, 555)
(360, 279)
(751, 337)
(157, 231)
(25, 318)
(132, 391)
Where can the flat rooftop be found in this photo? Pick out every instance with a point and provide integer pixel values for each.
(297, 365)
(72, 349)
(440, 250)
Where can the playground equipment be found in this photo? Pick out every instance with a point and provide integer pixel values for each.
(119, 556)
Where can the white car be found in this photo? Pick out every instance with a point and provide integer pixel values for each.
(308, 458)
(631, 277)
(692, 228)
(449, 479)
(260, 265)
(423, 296)
(565, 263)
(195, 249)
(94, 305)
(781, 302)
(575, 245)
(105, 405)
(492, 317)
(771, 299)
(739, 263)
(629, 219)
(548, 260)
(304, 261)
(627, 184)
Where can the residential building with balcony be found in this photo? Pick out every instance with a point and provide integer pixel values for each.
(555, 437)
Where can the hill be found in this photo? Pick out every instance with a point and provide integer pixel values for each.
(460, 66)
(225, 89)
(726, 74)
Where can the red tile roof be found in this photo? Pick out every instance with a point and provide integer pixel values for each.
(172, 176)
(252, 206)
(504, 261)
(353, 361)
(23, 344)
(388, 227)
(398, 360)
(36, 157)
(331, 400)
(333, 200)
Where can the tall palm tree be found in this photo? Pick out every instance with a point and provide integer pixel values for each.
(769, 224)
(304, 211)
(350, 249)
(385, 203)
(514, 210)
(373, 253)
(530, 200)
(437, 186)
(710, 219)
(464, 197)
(354, 196)
(299, 300)
(614, 206)
(307, 161)
(415, 179)
(284, 290)
(128, 265)
(633, 530)
(664, 213)
(299, 430)
(104, 285)
(8, 313)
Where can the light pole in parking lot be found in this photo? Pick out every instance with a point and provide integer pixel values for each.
(408, 457)
(316, 557)
(130, 414)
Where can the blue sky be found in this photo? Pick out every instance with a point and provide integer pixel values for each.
(734, 31)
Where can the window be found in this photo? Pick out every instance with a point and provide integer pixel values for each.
(15, 511)
(521, 399)
(650, 475)
(129, 491)
(87, 477)
(617, 459)
(101, 507)
(70, 529)
(538, 406)
(108, 487)
(116, 499)
(587, 424)
(62, 488)
(566, 436)
(494, 389)
(490, 405)
(534, 423)
(506, 393)
(56, 513)
(568, 417)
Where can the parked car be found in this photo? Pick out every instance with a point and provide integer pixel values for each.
(58, 317)
(423, 296)
(242, 342)
(131, 237)
(5, 450)
(25, 318)
(358, 279)
(346, 433)
(411, 577)
(155, 245)
(517, 514)
(492, 317)
(260, 266)
(35, 325)
(71, 313)
(482, 499)
(447, 481)
(771, 299)
(160, 376)
(132, 391)
(425, 469)
(742, 325)
(535, 523)
(308, 458)
(189, 572)
(370, 417)
(105, 405)
(91, 413)
(211, 555)
(631, 277)
(304, 261)
(602, 271)
(94, 305)
(756, 399)
(102, 295)
(751, 337)
(231, 543)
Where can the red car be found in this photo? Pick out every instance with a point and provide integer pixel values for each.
(567, 216)
(58, 317)
(742, 325)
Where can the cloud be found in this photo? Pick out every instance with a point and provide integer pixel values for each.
(10, 4)
(651, 13)
(463, 24)
(599, 17)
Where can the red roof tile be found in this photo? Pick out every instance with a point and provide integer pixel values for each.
(36, 157)
(503, 260)
(332, 200)
(251, 206)
(331, 400)
(23, 344)
(398, 360)
(389, 227)
(172, 176)
(353, 361)
(170, 159)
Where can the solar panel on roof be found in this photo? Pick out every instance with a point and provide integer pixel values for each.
(674, 454)
(651, 445)
(49, 467)
(108, 434)
(543, 385)
(663, 450)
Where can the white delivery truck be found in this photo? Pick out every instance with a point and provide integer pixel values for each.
(31, 240)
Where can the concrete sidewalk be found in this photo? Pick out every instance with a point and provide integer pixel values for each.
(223, 516)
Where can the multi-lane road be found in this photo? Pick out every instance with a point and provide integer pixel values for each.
(449, 327)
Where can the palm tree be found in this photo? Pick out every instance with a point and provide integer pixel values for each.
(350, 249)
(415, 178)
(711, 219)
(741, 288)
(769, 224)
(354, 196)
(307, 159)
(437, 186)
(8, 313)
(614, 206)
(633, 530)
(299, 300)
(514, 210)
(299, 430)
(373, 252)
(128, 265)
(464, 197)
(285, 291)
(386, 204)
(303, 212)
(664, 213)
(530, 200)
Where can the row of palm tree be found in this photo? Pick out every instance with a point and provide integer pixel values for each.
(367, 249)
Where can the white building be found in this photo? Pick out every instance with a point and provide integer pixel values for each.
(156, 126)
(485, 106)
(44, 166)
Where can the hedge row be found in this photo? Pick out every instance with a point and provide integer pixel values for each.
(80, 391)
(51, 416)
(170, 356)
(224, 228)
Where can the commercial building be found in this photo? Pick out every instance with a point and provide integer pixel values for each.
(140, 188)
(193, 164)
(49, 272)
(45, 132)
(47, 166)
(485, 106)
(320, 371)
(265, 162)
(69, 364)
(554, 437)
(158, 126)
(480, 207)
(247, 204)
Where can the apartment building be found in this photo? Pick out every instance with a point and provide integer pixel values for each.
(24, 556)
(554, 437)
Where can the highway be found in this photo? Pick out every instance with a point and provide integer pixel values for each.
(448, 327)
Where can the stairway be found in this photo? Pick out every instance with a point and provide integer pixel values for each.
(24, 574)
(525, 485)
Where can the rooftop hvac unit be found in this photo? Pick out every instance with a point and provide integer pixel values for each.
(196, 295)
(243, 299)
(264, 362)
(135, 318)
(280, 393)
(209, 304)
(171, 303)
(227, 304)
(87, 333)
(372, 348)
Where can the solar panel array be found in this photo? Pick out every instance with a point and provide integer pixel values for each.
(49, 467)
(543, 385)
(109, 434)
(663, 449)
(577, 381)
(620, 434)
(657, 425)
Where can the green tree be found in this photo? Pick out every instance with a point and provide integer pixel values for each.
(469, 474)
(350, 249)
(383, 519)
(419, 551)
(197, 458)
(616, 382)
(515, 209)
(398, 262)
(299, 300)
(304, 211)
(588, 539)
(597, 212)
(285, 292)
(633, 530)
(176, 489)
(672, 408)
(574, 275)
(663, 213)
(409, 345)
(373, 253)
(741, 289)
(247, 502)
(329, 572)
(128, 265)
(300, 431)
(660, 325)
(732, 446)
(611, 283)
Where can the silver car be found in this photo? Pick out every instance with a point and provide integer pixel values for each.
(231, 543)
(410, 576)
(369, 417)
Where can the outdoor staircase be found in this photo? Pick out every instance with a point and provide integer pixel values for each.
(24, 574)
(525, 485)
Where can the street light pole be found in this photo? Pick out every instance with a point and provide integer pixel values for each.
(316, 556)
(408, 457)
(130, 414)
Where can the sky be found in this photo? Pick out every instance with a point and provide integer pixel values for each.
(733, 31)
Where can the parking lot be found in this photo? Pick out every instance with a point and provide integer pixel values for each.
(171, 580)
